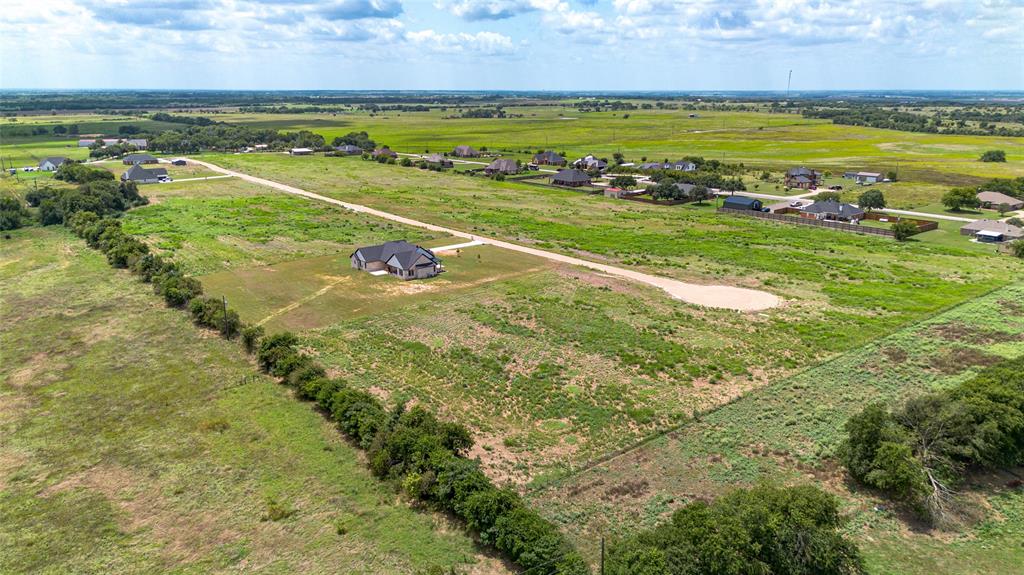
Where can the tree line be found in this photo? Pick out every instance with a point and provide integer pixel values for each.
(889, 119)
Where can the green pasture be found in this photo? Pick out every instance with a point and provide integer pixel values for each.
(789, 430)
(133, 442)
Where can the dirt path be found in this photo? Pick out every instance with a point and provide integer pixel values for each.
(717, 296)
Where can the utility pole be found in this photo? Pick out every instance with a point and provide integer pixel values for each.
(602, 555)
(224, 325)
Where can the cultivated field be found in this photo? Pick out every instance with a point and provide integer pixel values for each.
(130, 441)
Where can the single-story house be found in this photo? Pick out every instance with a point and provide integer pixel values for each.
(103, 142)
(400, 258)
(992, 231)
(465, 152)
(139, 143)
(548, 158)
(590, 163)
(134, 159)
(52, 163)
(803, 178)
(571, 177)
(742, 203)
(141, 175)
(833, 210)
(385, 151)
(349, 150)
(988, 200)
(300, 151)
(619, 193)
(502, 166)
(439, 160)
(868, 177)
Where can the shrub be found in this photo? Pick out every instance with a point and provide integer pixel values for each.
(275, 348)
(902, 230)
(13, 215)
(210, 312)
(176, 289)
(251, 335)
(310, 371)
(994, 156)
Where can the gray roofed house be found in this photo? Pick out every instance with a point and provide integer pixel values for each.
(141, 175)
(131, 159)
(52, 163)
(385, 151)
(590, 163)
(803, 178)
(571, 177)
(502, 166)
(465, 152)
(439, 160)
(684, 166)
(833, 210)
(139, 143)
(989, 200)
(399, 258)
(988, 230)
(548, 158)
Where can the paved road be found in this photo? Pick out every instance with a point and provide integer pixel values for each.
(716, 296)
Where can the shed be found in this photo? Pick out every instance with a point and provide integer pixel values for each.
(741, 203)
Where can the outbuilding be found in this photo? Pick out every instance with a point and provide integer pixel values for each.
(742, 203)
(300, 151)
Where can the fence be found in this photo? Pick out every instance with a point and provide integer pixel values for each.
(819, 223)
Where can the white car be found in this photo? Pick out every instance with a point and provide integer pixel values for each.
(163, 179)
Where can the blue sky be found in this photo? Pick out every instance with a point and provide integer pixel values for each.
(513, 44)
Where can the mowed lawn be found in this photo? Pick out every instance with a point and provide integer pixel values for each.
(789, 431)
(132, 442)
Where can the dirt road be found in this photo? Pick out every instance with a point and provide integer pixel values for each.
(717, 296)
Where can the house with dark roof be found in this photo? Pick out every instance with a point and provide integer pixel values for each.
(399, 258)
(833, 210)
(349, 150)
(439, 160)
(502, 166)
(548, 158)
(572, 177)
(52, 163)
(742, 203)
(465, 152)
(991, 200)
(141, 175)
(133, 159)
(385, 152)
(803, 178)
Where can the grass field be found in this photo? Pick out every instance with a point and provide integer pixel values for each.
(561, 365)
(131, 442)
(790, 429)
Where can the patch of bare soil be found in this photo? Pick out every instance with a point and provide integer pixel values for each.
(894, 354)
(144, 507)
(633, 489)
(1012, 306)
(39, 370)
(961, 332)
(955, 360)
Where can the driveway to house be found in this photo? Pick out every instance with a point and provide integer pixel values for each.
(908, 213)
(716, 296)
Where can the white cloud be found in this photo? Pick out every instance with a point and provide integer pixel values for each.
(480, 43)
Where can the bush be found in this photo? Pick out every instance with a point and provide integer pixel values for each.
(251, 335)
(275, 349)
(176, 289)
(210, 312)
(765, 529)
(994, 156)
(902, 230)
(13, 215)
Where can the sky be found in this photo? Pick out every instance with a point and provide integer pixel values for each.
(627, 45)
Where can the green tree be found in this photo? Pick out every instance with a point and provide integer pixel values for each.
(958, 198)
(13, 215)
(827, 196)
(871, 200)
(624, 182)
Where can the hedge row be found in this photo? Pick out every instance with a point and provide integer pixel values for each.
(426, 457)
